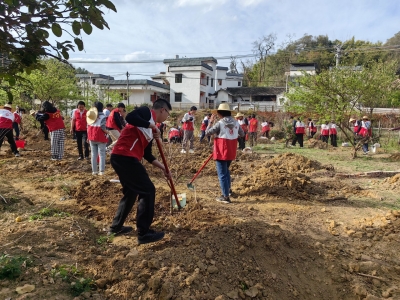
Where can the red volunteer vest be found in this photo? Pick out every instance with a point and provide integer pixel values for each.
(134, 140)
(356, 125)
(243, 125)
(332, 129)
(226, 143)
(300, 128)
(95, 133)
(324, 129)
(110, 120)
(173, 133)
(253, 124)
(265, 127)
(17, 118)
(55, 121)
(80, 121)
(188, 125)
(6, 119)
(364, 130)
(203, 125)
(312, 127)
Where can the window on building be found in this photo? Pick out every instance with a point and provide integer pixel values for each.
(178, 97)
(178, 78)
(94, 81)
(212, 82)
(208, 78)
(239, 83)
(219, 81)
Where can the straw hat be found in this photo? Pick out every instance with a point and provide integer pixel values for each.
(238, 115)
(32, 112)
(352, 120)
(365, 118)
(91, 115)
(8, 106)
(222, 106)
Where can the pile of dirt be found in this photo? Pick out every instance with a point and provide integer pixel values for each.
(292, 162)
(393, 182)
(395, 156)
(313, 143)
(250, 156)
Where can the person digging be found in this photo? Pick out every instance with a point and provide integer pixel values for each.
(226, 132)
(135, 143)
(6, 128)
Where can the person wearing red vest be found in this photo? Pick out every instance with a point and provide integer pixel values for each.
(365, 131)
(226, 132)
(333, 133)
(54, 121)
(242, 123)
(253, 126)
(265, 129)
(203, 128)
(325, 132)
(312, 129)
(97, 136)
(300, 130)
(174, 135)
(17, 122)
(115, 124)
(79, 126)
(188, 129)
(134, 144)
(6, 128)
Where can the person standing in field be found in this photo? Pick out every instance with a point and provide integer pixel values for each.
(325, 132)
(188, 129)
(299, 133)
(79, 126)
(253, 128)
(265, 129)
(312, 129)
(242, 139)
(115, 124)
(203, 128)
(6, 128)
(333, 133)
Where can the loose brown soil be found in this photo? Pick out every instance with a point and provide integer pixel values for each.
(293, 231)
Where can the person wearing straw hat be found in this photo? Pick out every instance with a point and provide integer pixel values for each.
(242, 140)
(226, 132)
(6, 128)
(97, 136)
(133, 145)
(364, 131)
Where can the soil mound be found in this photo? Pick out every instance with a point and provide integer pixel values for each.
(313, 143)
(395, 156)
(393, 182)
(291, 162)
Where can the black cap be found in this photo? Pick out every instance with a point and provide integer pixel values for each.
(193, 108)
(121, 105)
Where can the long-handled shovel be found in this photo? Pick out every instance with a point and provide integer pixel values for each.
(190, 185)
(167, 171)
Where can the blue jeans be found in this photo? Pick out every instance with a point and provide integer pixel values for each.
(98, 149)
(365, 147)
(224, 176)
(203, 134)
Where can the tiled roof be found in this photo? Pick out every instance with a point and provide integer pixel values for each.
(209, 58)
(222, 68)
(255, 91)
(94, 76)
(189, 63)
(303, 67)
(133, 82)
(234, 75)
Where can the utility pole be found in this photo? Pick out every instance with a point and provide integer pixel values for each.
(127, 86)
(338, 54)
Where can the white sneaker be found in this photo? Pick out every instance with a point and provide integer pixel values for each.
(94, 173)
(191, 151)
(183, 151)
(101, 173)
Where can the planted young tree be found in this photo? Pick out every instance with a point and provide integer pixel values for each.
(25, 27)
(336, 94)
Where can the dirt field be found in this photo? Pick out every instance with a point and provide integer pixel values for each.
(304, 224)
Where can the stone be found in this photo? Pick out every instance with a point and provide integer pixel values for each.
(154, 283)
(141, 287)
(27, 288)
(133, 252)
(212, 269)
(220, 297)
(101, 283)
(252, 292)
(233, 294)
(209, 254)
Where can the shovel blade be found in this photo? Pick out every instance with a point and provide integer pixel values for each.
(190, 186)
(182, 200)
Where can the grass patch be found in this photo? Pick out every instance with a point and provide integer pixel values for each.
(48, 212)
(105, 239)
(70, 274)
(11, 266)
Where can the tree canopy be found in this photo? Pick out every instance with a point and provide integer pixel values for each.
(25, 27)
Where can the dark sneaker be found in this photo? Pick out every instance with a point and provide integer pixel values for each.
(150, 237)
(123, 230)
(87, 157)
(223, 199)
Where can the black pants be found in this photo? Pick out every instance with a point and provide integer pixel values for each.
(8, 133)
(325, 138)
(333, 140)
(135, 182)
(81, 137)
(298, 138)
(242, 142)
(16, 128)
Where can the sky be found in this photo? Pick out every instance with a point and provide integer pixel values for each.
(159, 29)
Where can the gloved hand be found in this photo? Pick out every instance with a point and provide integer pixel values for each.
(191, 119)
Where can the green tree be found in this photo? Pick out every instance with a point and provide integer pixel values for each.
(25, 27)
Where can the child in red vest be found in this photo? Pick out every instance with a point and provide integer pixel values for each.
(54, 121)
(265, 129)
(203, 128)
(227, 130)
(79, 126)
(188, 129)
(133, 145)
(253, 126)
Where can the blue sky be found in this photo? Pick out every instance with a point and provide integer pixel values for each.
(158, 29)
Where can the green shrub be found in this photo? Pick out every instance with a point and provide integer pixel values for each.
(278, 134)
(11, 267)
(48, 212)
